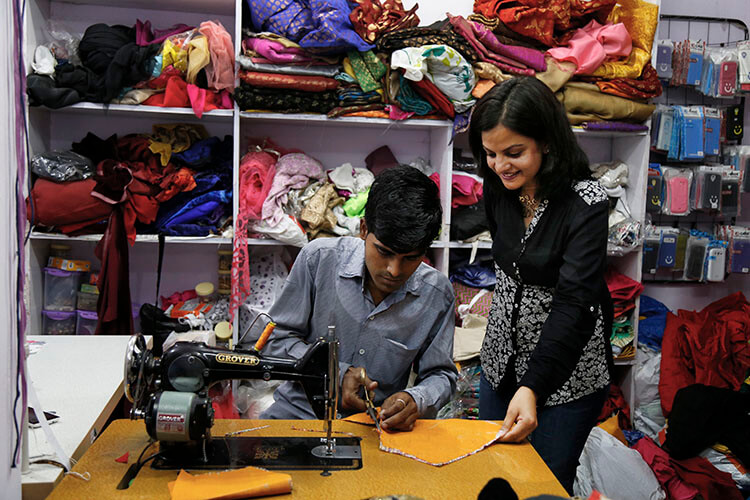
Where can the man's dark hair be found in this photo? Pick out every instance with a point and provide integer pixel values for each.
(528, 107)
(403, 209)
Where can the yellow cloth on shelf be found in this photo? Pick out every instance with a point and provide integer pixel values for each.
(440, 442)
(612, 426)
(640, 18)
(173, 55)
(583, 105)
(240, 483)
(557, 74)
(198, 57)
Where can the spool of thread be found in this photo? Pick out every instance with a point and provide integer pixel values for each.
(264, 336)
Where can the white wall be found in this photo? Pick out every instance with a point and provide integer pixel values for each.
(10, 478)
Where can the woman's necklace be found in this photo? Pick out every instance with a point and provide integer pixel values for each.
(529, 204)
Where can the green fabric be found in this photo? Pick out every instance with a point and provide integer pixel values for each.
(367, 68)
(355, 206)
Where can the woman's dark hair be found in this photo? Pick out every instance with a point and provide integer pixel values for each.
(529, 108)
(403, 209)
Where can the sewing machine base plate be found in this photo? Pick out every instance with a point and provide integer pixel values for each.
(283, 453)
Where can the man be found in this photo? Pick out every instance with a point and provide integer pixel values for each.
(391, 311)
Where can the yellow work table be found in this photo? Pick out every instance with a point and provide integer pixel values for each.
(381, 473)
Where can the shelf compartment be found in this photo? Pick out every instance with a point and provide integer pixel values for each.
(141, 238)
(304, 119)
(216, 7)
(140, 110)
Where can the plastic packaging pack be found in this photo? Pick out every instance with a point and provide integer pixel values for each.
(730, 192)
(62, 166)
(654, 189)
(695, 256)
(677, 183)
(706, 189)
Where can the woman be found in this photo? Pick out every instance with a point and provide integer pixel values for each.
(546, 360)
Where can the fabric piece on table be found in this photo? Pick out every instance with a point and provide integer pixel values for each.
(248, 482)
(709, 347)
(362, 418)
(292, 82)
(587, 106)
(372, 18)
(640, 18)
(593, 44)
(440, 442)
(542, 19)
(220, 71)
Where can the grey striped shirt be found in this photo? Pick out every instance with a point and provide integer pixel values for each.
(411, 327)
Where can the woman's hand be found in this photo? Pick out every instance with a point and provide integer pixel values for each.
(521, 415)
(398, 413)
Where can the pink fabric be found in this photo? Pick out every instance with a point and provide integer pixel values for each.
(257, 170)
(293, 171)
(530, 57)
(177, 297)
(660, 463)
(466, 190)
(220, 71)
(144, 35)
(396, 113)
(275, 51)
(593, 44)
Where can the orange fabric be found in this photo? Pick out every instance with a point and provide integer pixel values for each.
(439, 442)
(362, 418)
(612, 426)
(240, 483)
(482, 87)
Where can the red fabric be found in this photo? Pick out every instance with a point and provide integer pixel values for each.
(113, 307)
(160, 81)
(291, 82)
(373, 18)
(621, 288)
(661, 463)
(646, 86)
(543, 20)
(712, 483)
(179, 94)
(223, 403)
(257, 169)
(709, 347)
(123, 459)
(65, 204)
(177, 297)
(432, 94)
(616, 403)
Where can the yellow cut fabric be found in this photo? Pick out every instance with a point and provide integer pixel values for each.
(640, 18)
(362, 418)
(612, 426)
(348, 67)
(440, 442)
(198, 57)
(240, 483)
(557, 74)
(174, 55)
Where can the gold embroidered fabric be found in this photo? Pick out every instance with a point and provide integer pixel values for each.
(488, 71)
(640, 18)
(198, 57)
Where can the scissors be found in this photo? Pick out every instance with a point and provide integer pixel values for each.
(371, 411)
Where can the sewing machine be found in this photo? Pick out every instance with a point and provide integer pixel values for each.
(171, 395)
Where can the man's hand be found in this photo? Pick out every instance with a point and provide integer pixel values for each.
(350, 399)
(398, 413)
(522, 413)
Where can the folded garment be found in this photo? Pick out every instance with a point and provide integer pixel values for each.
(646, 86)
(434, 96)
(587, 106)
(532, 58)
(440, 34)
(275, 51)
(284, 101)
(557, 74)
(367, 68)
(249, 64)
(290, 82)
(593, 44)
(504, 34)
(614, 126)
(409, 100)
(489, 71)
(358, 108)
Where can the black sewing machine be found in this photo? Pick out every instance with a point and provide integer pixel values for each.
(171, 394)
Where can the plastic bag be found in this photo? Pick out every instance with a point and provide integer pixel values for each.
(610, 467)
(465, 401)
(63, 43)
(62, 166)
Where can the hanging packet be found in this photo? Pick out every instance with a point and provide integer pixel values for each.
(677, 183)
(712, 131)
(668, 247)
(654, 189)
(695, 255)
(743, 68)
(691, 133)
(695, 64)
(706, 189)
(730, 192)
(664, 59)
(716, 261)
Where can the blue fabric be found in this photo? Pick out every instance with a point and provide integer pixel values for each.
(632, 437)
(653, 319)
(193, 210)
(321, 26)
(561, 432)
(474, 275)
(207, 151)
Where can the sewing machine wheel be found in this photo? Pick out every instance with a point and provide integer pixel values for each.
(137, 356)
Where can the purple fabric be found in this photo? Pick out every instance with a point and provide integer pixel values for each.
(144, 36)
(530, 57)
(614, 126)
(463, 28)
(293, 171)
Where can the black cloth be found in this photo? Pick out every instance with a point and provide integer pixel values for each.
(566, 252)
(43, 91)
(702, 416)
(96, 149)
(440, 33)
(468, 221)
(284, 100)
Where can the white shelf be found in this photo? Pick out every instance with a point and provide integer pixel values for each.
(487, 245)
(607, 134)
(141, 238)
(219, 7)
(140, 110)
(302, 119)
